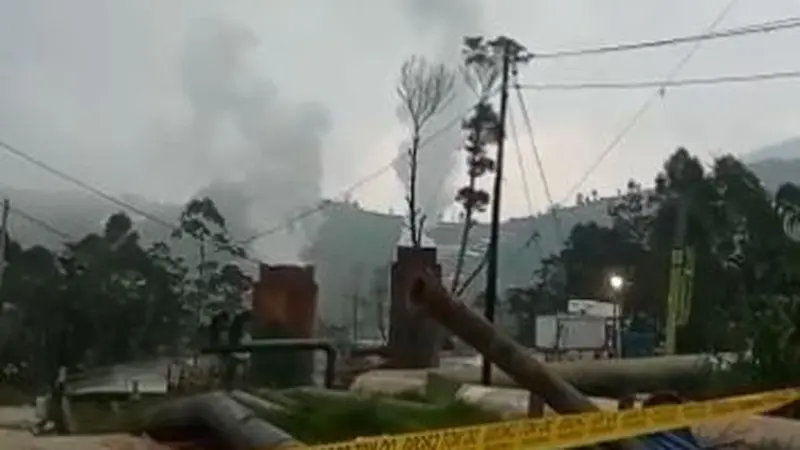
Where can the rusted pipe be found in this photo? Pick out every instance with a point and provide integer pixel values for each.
(428, 293)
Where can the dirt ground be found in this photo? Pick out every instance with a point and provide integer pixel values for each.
(754, 430)
(22, 440)
(14, 421)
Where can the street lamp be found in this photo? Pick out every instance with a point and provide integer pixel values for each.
(617, 283)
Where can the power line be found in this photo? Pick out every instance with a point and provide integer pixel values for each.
(540, 165)
(41, 223)
(640, 112)
(83, 185)
(663, 83)
(520, 164)
(355, 186)
(130, 207)
(522, 171)
(45, 225)
(764, 27)
(533, 238)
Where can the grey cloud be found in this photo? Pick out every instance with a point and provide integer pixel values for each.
(95, 88)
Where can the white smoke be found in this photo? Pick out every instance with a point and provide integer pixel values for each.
(446, 22)
(271, 153)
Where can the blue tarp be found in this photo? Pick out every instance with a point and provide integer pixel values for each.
(638, 344)
(673, 440)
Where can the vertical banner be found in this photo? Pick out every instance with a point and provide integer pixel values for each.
(679, 297)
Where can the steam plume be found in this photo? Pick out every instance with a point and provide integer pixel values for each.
(447, 22)
(274, 155)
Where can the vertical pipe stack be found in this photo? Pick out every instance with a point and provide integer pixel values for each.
(284, 306)
(415, 339)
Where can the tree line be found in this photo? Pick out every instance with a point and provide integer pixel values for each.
(109, 297)
(745, 290)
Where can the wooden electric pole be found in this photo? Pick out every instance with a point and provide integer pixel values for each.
(510, 52)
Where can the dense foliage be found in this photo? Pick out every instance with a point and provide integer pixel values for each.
(743, 293)
(109, 297)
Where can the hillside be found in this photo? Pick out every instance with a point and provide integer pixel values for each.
(787, 150)
(776, 164)
(354, 247)
(774, 172)
(354, 244)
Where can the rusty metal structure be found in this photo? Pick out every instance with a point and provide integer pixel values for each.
(284, 306)
(415, 338)
(286, 295)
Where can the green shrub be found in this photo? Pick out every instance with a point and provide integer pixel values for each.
(317, 420)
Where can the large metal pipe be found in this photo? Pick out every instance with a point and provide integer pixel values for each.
(284, 344)
(600, 378)
(611, 377)
(428, 293)
(216, 417)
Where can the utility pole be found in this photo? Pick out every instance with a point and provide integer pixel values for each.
(676, 275)
(494, 232)
(4, 236)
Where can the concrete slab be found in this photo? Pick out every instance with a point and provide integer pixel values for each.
(17, 417)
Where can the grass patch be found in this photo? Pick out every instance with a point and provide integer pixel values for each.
(413, 396)
(318, 421)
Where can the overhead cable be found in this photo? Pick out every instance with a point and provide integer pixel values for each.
(660, 84)
(645, 106)
(763, 27)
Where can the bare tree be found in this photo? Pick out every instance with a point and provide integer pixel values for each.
(425, 89)
(481, 71)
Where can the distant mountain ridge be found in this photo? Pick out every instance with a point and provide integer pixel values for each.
(787, 149)
(776, 164)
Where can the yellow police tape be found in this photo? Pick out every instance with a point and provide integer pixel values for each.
(575, 430)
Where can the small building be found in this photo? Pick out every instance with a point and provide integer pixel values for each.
(594, 308)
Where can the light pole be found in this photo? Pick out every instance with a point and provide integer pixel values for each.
(617, 283)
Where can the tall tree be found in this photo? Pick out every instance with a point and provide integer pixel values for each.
(215, 283)
(481, 70)
(30, 293)
(424, 89)
(107, 298)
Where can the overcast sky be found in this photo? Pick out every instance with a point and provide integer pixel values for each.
(98, 88)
